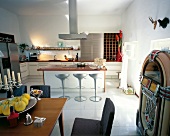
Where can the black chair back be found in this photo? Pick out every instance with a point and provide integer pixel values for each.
(17, 91)
(107, 117)
(45, 88)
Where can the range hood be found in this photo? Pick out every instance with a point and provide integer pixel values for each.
(73, 24)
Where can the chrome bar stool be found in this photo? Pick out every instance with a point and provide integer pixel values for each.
(62, 77)
(95, 98)
(80, 77)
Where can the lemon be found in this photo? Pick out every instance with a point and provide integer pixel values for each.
(26, 95)
(6, 109)
(14, 100)
(20, 106)
(1, 106)
(25, 100)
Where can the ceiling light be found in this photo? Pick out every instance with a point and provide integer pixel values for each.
(67, 16)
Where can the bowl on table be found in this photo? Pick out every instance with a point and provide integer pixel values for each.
(36, 93)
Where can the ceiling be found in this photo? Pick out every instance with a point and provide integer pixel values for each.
(60, 7)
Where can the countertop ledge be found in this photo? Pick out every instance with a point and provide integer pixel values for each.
(61, 61)
(69, 68)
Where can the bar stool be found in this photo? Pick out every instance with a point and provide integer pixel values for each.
(62, 77)
(95, 98)
(80, 77)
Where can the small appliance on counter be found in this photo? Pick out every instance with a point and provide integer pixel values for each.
(81, 64)
(33, 56)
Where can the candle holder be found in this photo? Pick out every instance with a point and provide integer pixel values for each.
(10, 86)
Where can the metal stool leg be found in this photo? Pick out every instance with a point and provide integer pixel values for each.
(68, 97)
(80, 98)
(62, 78)
(95, 98)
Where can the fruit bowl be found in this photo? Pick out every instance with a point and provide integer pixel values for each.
(32, 103)
(36, 93)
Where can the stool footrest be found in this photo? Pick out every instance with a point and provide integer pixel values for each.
(95, 98)
(80, 98)
(68, 97)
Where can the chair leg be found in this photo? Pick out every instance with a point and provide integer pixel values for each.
(95, 98)
(80, 98)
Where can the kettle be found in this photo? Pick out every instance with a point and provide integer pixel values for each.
(28, 120)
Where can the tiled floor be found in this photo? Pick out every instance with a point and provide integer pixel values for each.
(125, 108)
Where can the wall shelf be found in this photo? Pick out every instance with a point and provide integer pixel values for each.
(56, 49)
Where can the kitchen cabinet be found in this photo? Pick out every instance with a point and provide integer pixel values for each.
(66, 63)
(54, 63)
(42, 64)
(113, 68)
(24, 70)
(33, 66)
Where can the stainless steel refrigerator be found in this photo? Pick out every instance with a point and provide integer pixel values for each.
(10, 59)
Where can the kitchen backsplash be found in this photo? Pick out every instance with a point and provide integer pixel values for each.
(59, 55)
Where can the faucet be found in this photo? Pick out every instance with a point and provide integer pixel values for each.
(54, 57)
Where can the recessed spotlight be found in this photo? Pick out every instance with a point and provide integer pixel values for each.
(66, 1)
(67, 16)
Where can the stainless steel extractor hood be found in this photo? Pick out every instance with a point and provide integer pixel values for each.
(73, 24)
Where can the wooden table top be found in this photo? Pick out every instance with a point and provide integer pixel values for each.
(50, 108)
(69, 68)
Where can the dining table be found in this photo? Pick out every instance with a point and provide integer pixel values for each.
(49, 108)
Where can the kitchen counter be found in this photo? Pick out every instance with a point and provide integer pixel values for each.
(69, 68)
(50, 71)
(62, 61)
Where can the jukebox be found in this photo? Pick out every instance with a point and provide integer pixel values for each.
(153, 115)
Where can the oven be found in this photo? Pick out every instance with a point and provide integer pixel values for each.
(153, 115)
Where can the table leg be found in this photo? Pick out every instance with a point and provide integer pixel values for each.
(61, 124)
(118, 78)
(104, 81)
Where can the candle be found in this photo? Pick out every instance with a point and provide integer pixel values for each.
(5, 80)
(8, 73)
(19, 78)
(13, 75)
(0, 79)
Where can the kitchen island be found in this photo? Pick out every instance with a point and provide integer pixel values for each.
(71, 83)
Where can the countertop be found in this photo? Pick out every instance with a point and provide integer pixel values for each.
(70, 68)
(61, 61)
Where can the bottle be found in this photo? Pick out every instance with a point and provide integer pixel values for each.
(77, 56)
(13, 117)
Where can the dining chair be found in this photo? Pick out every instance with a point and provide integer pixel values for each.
(17, 91)
(91, 127)
(45, 88)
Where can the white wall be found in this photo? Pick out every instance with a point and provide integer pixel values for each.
(137, 27)
(9, 24)
(100, 24)
(44, 30)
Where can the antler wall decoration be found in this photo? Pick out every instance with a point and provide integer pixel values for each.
(162, 23)
(154, 22)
